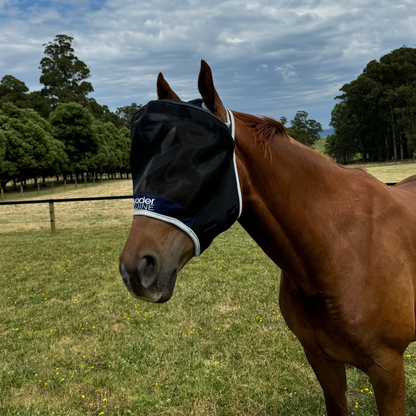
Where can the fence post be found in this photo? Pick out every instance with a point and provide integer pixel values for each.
(21, 191)
(76, 186)
(38, 189)
(52, 187)
(2, 195)
(52, 214)
(65, 183)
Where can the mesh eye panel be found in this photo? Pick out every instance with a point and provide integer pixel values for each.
(181, 161)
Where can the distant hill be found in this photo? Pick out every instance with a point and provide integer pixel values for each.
(327, 132)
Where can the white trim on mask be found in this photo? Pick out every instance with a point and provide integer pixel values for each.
(175, 222)
(231, 125)
(205, 107)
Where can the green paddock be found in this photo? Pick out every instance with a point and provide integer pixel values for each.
(75, 343)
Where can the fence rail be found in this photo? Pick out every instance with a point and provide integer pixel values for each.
(51, 203)
(46, 201)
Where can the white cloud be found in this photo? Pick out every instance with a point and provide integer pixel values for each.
(262, 67)
(286, 71)
(319, 43)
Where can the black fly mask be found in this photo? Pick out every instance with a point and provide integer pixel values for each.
(184, 170)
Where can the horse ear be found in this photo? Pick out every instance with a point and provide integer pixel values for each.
(164, 91)
(209, 93)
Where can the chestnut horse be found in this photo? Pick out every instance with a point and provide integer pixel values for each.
(345, 242)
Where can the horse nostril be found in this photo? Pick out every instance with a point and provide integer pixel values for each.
(147, 270)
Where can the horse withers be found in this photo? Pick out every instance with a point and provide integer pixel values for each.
(346, 243)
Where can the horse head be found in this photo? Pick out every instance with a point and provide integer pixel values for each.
(157, 249)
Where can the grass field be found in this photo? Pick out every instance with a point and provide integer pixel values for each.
(386, 172)
(319, 145)
(75, 343)
(392, 172)
(72, 214)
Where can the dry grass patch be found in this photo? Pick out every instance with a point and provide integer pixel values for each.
(392, 173)
(72, 215)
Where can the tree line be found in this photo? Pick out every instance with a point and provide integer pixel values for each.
(376, 116)
(59, 130)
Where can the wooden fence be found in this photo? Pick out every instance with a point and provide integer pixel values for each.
(51, 203)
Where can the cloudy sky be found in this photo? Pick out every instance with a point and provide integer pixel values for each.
(268, 57)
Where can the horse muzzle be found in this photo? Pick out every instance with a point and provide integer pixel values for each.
(144, 279)
(154, 253)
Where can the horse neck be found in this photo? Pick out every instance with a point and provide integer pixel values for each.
(286, 189)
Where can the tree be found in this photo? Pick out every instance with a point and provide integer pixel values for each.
(341, 150)
(13, 91)
(124, 144)
(354, 119)
(30, 148)
(311, 127)
(118, 143)
(343, 145)
(108, 156)
(73, 125)
(2, 151)
(126, 113)
(283, 120)
(40, 103)
(103, 113)
(377, 111)
(63, 74)
(300, 135)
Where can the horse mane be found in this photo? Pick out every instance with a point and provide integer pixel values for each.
(265, 129)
